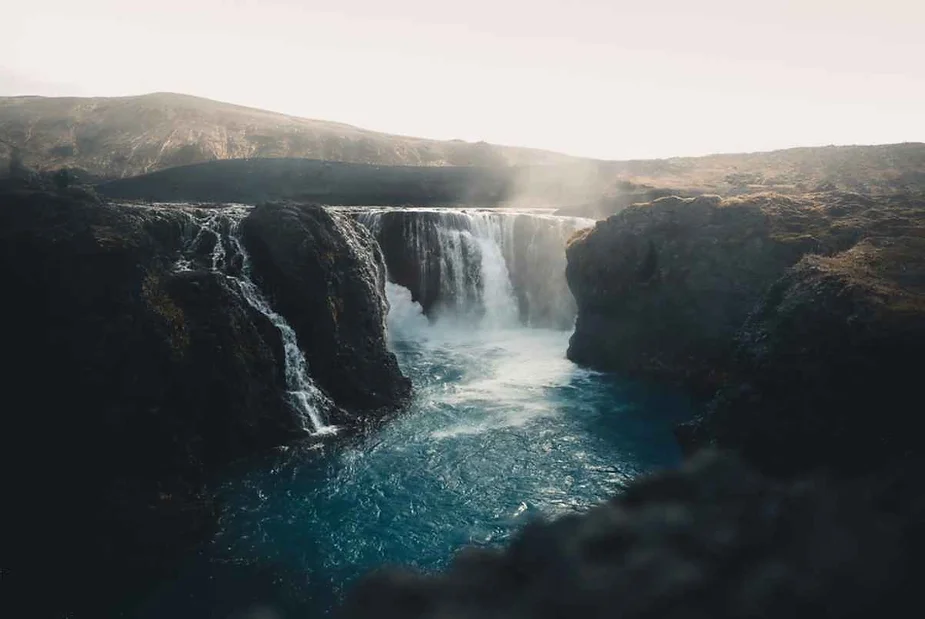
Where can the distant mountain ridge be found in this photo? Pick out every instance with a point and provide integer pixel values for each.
(116, 137)
(185, 146)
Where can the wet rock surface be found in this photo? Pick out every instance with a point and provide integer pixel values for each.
(325, 272)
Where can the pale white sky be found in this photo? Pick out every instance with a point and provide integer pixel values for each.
(601, 78)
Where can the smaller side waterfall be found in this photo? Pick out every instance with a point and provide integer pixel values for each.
(229, 258)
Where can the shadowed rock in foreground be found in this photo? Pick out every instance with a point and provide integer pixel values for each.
(711, 540)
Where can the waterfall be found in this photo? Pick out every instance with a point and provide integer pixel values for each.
(500, 268)
(229, 258)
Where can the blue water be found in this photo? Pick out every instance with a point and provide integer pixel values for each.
(502, 429)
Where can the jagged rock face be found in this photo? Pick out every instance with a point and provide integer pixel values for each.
(326, 274)
(710, 540)
(829, 365)
(663, 288)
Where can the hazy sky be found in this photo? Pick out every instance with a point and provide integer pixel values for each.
(602, 78)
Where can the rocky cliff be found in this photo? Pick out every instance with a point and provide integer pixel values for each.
(663, 288)
(136, 369)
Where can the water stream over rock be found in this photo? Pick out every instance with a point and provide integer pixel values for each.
(229, 258)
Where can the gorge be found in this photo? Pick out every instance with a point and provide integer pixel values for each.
(502, 429)
(256, 406)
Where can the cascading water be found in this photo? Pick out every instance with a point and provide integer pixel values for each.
(230, 259)
(502, 267)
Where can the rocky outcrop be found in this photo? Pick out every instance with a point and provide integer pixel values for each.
(663, 288)
(713, 539)
(828, 365)
(326, 273)
(130, 382)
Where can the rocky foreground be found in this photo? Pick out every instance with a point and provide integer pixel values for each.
(134, 371)
(801, 321)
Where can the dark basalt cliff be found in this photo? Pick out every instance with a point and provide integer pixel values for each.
(316, 266)
(663, 288)
(129, 383)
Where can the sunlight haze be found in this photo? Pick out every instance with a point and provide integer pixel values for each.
(596, 78)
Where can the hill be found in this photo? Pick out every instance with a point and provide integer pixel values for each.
(886, 168)
(103, 139)
(115, 137)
